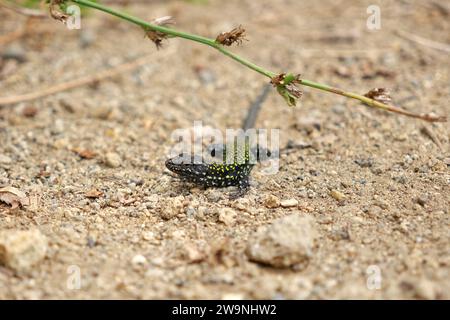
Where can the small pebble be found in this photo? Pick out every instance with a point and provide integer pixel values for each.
(138, 260)
(192, 253)
(287, 242)
(113, 160)
(22, 250)
(288, 203)
(272, 201)
(5, 159)
(422, 200)
(337, 195)
(227, 216)
(148, 235)
(172, 207)
(242, 204)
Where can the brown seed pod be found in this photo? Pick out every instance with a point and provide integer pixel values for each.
(237, 35)
(55, 13)
(280, 79)
(294, 90)
(277, 79)
(379, 94)
(156, 36)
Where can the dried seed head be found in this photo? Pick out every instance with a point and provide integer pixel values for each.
(277, 79)
(55, 11)
(156, 36)
(294, 90)
(379, 94)
(286, 85)
(237, 35)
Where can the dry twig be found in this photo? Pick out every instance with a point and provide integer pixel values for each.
(423, 41)
(128, 66)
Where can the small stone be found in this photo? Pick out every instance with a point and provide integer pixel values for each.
(58, 127)
(91, 241)
(172, 207)
(214, 195)
(148, 235)
(337, 195)
(242, 204)
(382, 204)
(401, 137)
(422, 199)
(138, 260)
(22, 250)
(287, 242)
(365, 162)
(5, 159)
(14, 52)
(374, 212)
(425, 290)
(200, 213)
(418, 288)
(272, 201)
(377, 169)
(227, 216)
(288, 203)
(29, 111)
(340, 234)
(192, 253)
(400, 179)
(113, 160)
(102, 112)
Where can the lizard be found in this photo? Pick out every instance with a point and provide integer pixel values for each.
(223, 173)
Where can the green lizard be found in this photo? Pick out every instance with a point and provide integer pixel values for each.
(222, 173)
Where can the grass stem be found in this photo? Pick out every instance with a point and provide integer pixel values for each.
(212, 43)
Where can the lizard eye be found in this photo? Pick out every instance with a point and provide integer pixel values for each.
(213, 152)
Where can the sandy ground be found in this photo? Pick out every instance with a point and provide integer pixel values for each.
(147, 235)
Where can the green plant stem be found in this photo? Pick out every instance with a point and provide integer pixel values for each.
(211, 42)
(176, 33)
(371, 102)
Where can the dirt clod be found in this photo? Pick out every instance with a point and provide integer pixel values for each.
(272, 201)
(227, 216)
(22, 250)
(285, 243)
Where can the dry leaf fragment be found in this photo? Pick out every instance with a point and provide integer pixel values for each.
(93, 194)
(84, 153)
(13, 197)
